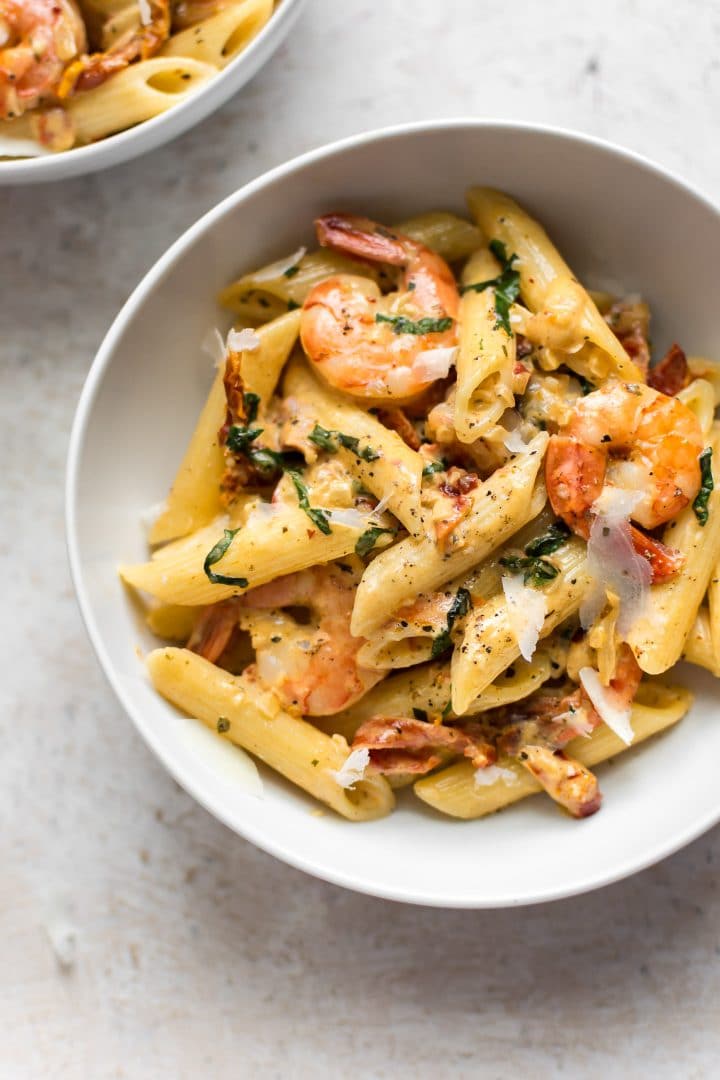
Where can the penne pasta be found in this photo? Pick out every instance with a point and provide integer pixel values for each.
(221, 37)
(239, 710)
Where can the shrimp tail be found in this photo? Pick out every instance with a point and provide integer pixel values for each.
(665, 562)
(361, 238)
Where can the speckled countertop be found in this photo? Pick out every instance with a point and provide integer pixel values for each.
(139, 937)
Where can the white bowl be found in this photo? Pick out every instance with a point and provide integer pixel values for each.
(614, 216)
(160, 129)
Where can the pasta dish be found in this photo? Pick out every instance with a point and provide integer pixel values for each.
(75, 71)
(441, 522)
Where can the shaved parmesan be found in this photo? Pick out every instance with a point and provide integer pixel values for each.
(378, 510)
(612, 561)
(243, 340)
(608, 704)
(434, 363)
(13, 147)
(281, 267)
(145, 12)
(353, 768)
(354, 519)
(527, 608)
(214, 346)
(493, 774)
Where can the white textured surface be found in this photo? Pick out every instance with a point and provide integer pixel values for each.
(139, 938)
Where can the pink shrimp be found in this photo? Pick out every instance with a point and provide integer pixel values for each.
(368, 344)
(403, 744)
(38, 39)
(631, 436)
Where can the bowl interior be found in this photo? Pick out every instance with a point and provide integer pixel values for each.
(617, 220)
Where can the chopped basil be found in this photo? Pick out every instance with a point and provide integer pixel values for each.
(433, 467)
(223, 724)
(506, 286)
(291, 271)
(215, 555)
(420, 714)
(329, 441)
(550, 541)
(585, 385)
(293, 305)
(447, 710)
(251, 402)
(403, 325)
(459, 607)
(240, 436)
(535, 571)
(700, 506)
(317, 516)
(367, 540)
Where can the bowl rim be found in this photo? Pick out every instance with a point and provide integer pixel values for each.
(663, 848)
(150, 134)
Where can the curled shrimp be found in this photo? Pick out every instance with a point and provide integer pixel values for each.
(368, 344)
(629, 436)
(138, 43)
(312, 666)
(38, 39)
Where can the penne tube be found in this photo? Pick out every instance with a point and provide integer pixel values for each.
(565, 315)
(395, 475)
(219, 38)
(195, 495)
(236, 707)
(267, 546)
(453, 790)
(658, 635)
(510, 498)
(489, 644)
(485, 358)
(699, 648)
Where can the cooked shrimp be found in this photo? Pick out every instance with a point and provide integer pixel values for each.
(38, 39)
(368, 344)
(138, 43)
(312, 667)
(629, 436)
(403, 744)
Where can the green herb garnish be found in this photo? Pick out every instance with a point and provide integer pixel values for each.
(367, 540)
(535, 571)
(550, 541)
(291, 271)
(240, 436)
(433, 467)
(447, 710)
(329, 441)
(292, 305)
(403, 325)
(506, 285)
(459, 607)
(252, 403)
(707, 484)
(317, 516)
(223, 724)
(215, 555)
(585, 385)
(420, 714)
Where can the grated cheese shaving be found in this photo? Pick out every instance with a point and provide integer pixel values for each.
(145, 12)
(527, 608)
(608, 704)
(214, 347)
(612, 561)
(353, 768)
(243, 340)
